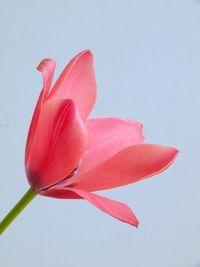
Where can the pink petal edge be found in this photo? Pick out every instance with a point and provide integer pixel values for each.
(130, 165)
(77, 82)
(114, 208)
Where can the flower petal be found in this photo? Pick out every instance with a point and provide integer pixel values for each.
(77, 82)
(46, 67)
(33, 125)
(106, 137)
(128, 166)
(114, 208)
(58, 144)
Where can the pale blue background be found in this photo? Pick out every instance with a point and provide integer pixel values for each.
(147, 62)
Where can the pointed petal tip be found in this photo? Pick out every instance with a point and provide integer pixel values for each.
(171, 154)
(86, 53)
(133, 221)
(174, 152)
(136, 224)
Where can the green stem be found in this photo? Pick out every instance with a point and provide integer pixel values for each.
(17, 209)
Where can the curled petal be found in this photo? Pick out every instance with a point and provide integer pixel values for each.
(77, 82)
(128, 166)
(114, 208)
(58, 144)
(47, 68)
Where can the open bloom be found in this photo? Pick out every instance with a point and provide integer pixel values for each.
(69, 155)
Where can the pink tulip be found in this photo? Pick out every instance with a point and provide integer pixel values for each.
(69, 155)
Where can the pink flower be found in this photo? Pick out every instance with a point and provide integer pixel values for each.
(69, 155)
